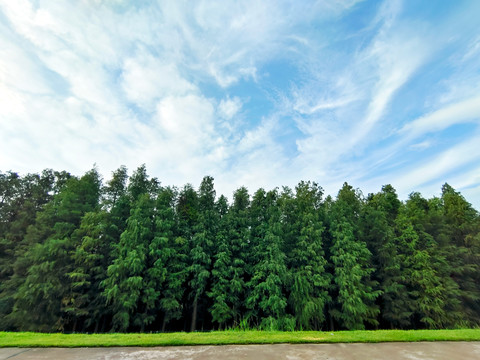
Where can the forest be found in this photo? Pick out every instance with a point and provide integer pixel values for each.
(132, 255)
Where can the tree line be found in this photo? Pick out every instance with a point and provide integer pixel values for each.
(77, 255)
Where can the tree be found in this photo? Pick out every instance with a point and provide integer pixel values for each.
(221, 272)
(423, 284)
(139, 183)
(354, 289)
(202, 245)
(308, 277)
(266, 299)
(21, 199)
(124, 285)
(378, 230)
(90, 258)
(42, 272)
(169, 261)
(137, 256)
(461, 245)
(229, 268)
(436, 294)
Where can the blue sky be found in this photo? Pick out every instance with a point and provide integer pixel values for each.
(254, 93)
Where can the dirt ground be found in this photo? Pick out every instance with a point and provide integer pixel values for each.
(389, 351)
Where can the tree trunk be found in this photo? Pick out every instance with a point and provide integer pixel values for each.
(194, 314)
(331, 320)
(164, 323)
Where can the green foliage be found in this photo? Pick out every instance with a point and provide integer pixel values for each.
(41, 272)
(124, 285)
(308, 279)
(378, 230)
(168, 258)
(351, 259)
(229, 268)
(202, 245)
(134, 255)
(266, 300)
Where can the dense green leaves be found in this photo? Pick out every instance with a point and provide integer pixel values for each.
(43, 257)
(136, 256)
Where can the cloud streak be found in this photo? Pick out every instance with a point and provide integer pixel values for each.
(253, 94)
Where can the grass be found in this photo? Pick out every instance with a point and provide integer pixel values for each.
(30, 339)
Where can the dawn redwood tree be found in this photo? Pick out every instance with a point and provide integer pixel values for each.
(378, 230)
(309, 277)
(436, 294)
(258, 222)
(423, 284)
(160, 252)
(354, 293)
(139, 183)
(117, 202)
(167, 273)
(266, 299)
(229, 268)
(124, 285)
(202, 246)
(97, 237)
(186, 211)
(10, 193)
(237, 220)
(461, 244)
(220, 310)
(116, 188)
(21, 198)
(90, 260)
(45, 284)
(138, 256)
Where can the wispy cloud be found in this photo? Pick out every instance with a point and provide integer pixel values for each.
(457, 113)
(440, 166)
(256, 94)
(379, 71)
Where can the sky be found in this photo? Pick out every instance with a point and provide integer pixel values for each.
(253, 93)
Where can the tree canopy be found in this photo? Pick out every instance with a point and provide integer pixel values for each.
(134, 255)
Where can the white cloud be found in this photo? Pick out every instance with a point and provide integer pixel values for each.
(228, 108)
(13, 62)
(146, 79)
(341, 93)
(339, 126)
(439, 167)
(399, 54)
(181, 86)
(188, 118)
(460, 112)
(258, 136)
(472, 50)
(421, 145)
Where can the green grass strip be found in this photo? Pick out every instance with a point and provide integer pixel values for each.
(30, 339)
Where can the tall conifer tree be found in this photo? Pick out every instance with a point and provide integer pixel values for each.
(309, 281)
(202, 246)
(354, 294)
